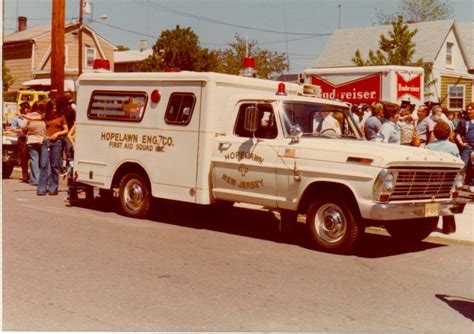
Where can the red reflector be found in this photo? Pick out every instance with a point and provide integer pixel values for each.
(384, 198)
(172, 69)
(155, 96)
(101, 64)
(455, 194)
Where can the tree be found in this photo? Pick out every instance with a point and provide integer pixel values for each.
(6, 77)
(418, 11)
(397, 49)
(269, 64)
(122, 48)
(179, 48)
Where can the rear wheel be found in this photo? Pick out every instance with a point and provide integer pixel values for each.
(412, 230)
(135, 197)
(332, 225)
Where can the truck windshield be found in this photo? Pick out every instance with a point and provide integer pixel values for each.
(319, 120)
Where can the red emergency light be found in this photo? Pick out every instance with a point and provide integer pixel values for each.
(281, 89)
(101, 64)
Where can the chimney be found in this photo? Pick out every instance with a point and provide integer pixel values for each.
(22, 23)
(143, 45)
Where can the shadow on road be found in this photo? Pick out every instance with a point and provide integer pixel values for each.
(464, 306)
(259, 224)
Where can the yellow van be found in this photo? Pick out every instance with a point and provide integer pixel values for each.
(18, 97)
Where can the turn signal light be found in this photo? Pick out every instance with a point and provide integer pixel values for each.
(384, 198)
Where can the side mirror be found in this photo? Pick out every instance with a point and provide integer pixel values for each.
(251, 119)
(295, 133)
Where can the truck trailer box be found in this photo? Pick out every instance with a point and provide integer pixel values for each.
(367, 84)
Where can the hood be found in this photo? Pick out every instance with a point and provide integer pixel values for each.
(372, 153)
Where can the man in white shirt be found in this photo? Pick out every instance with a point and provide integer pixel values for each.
(324, 122)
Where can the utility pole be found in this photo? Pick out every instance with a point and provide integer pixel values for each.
(57, 48)
(81, 18)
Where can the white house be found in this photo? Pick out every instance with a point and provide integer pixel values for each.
(447, 44)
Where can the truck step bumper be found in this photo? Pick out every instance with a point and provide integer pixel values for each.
(396, 211)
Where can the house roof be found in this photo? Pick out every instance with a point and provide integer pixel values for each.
(27, 34)
(131, 56)
(34, 32)
(466, 30)
(342, 45)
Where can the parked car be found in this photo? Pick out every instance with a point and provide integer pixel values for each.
(10, 156)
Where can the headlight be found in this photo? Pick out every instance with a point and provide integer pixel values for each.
(459, 180)
(384, 186)
(389, 182)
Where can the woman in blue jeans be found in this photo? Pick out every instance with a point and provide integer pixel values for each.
(35, 129)
(51, 149)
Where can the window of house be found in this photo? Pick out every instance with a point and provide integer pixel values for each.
(180, 108)
(449, 53)
(267, 127)
(456, 97)
(120, 106)
(90, 56)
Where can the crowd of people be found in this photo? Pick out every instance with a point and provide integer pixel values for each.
(429, 126)
(45, 141)
(46, 135)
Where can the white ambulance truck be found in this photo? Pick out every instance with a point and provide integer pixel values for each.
(206, 138)
(367, 84)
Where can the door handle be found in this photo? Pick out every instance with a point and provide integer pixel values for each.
(224, 146)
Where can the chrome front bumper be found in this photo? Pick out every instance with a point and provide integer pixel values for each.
(396, 211)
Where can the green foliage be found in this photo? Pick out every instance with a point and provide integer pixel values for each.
(268, 64)
(179, 48)
(7, 77)
(397, 49)
(122, 48)
(418, 11)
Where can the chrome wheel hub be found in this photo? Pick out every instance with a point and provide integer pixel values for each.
(134, 195)
(330, 223)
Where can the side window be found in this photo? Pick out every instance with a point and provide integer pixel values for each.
(180, 108)
(267, 128)
(119, 106)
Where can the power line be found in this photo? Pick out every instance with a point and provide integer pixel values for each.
(189, 15)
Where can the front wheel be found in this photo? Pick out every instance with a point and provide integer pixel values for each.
(414, 230)
(134, 196)
(332, 225)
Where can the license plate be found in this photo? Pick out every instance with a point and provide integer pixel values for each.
(431, 209)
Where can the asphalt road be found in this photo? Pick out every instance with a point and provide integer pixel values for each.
(89, 268)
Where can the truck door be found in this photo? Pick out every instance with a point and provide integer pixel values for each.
(244, 163)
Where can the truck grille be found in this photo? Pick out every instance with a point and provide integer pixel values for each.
(413, 184)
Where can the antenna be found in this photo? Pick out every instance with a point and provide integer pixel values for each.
(339, 21)
(246, 47)
(286, 35)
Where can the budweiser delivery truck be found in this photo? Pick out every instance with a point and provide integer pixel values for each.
(367, 84)
(209, 138)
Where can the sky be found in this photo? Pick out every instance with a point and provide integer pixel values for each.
(299, 28)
